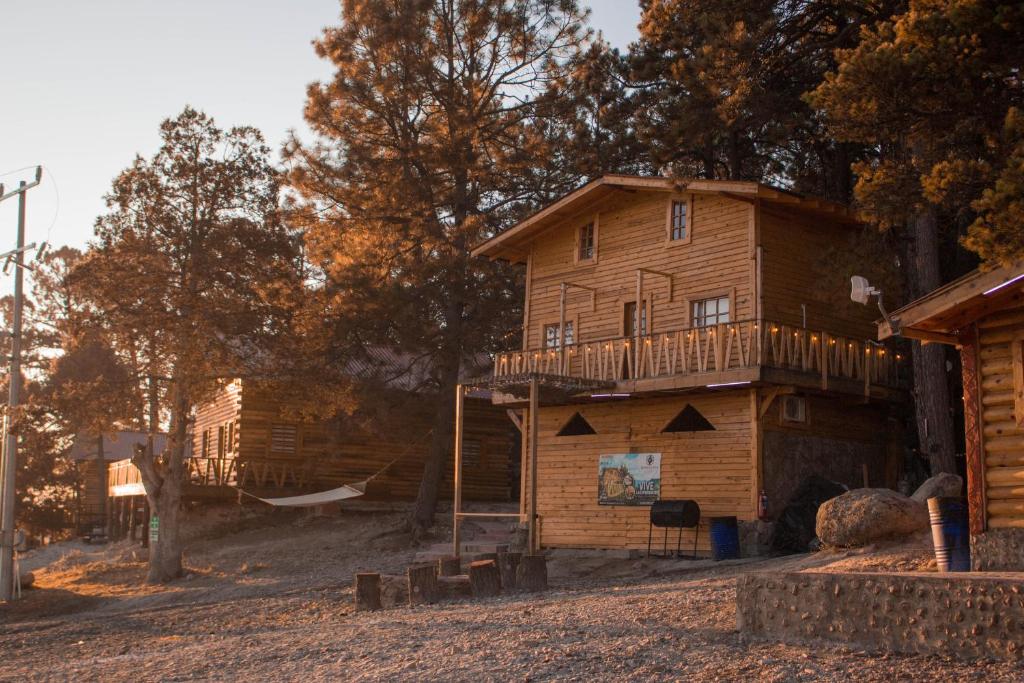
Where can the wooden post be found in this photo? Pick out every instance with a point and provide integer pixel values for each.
(460, 395)
(524, 460)
(367, 592)
(532, 574)
(449, 566)
(534, 415)
(508, 564)
(974, 436)
(484, 579)
(638, 317)
(422, 584)
(561, 329)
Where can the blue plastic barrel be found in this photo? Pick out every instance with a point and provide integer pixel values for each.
(725, 538)
(950, 534)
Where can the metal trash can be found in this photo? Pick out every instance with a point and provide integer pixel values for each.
(950, 534)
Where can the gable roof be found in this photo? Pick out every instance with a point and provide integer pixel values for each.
(511, 245)
(939, 314)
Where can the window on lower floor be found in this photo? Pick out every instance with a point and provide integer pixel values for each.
(710, 311)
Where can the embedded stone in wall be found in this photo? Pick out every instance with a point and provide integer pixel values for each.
(998, 550)
(966, 616)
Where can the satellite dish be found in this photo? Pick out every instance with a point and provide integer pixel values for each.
(860, 290)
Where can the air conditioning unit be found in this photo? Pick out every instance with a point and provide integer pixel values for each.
(794, 409)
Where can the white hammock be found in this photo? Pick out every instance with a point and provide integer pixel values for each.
(321, 498)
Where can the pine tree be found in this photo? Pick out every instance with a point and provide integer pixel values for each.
(931, 88)
(188, 266)
(435, 132)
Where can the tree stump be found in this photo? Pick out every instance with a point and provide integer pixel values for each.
(454, 587)
(484, 578)
(422, 583)
(449, 566)
(508, 564)
(532, 574)
(483, 557)
(367, 592)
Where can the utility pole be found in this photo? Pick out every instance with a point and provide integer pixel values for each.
(10, 452)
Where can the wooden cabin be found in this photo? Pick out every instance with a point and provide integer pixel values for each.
(94, 471)
(678, 344)
(247, 438)
(982, 314)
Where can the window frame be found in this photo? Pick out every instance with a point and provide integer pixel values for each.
(296, 445)
(686, 199)
(570, 320)
(707, 296)
(648, 310)
(785, 421)
(577, 234)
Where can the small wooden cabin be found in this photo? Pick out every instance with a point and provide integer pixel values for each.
(676, 335)
(982, 314)
(247, 438)
(93, 509)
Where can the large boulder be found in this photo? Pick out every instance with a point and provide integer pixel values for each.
(943, 485)
(861, 516)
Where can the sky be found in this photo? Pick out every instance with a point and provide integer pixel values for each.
(84, 86)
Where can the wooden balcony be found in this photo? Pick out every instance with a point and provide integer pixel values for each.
(725, 354)
(205, 477)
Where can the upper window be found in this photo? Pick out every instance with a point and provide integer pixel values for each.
(679, 220)
(586, 243)
(677, 229)
(551, 335)
(711, 311)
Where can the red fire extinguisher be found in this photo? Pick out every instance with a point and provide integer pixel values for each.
(762, 506)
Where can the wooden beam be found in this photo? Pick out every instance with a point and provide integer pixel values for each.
(770, 397)
(516, 419)
(460, 397)
(534, 425)
(927, 336)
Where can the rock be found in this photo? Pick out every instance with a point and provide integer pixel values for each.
(943, 485)
(861, 516)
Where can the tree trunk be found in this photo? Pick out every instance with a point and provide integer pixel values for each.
(101, 474)
(367, 592)
(484, 579)
(163, 483)
(931, 388)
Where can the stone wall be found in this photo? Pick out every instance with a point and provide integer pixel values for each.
(966, 616)
(998, 550)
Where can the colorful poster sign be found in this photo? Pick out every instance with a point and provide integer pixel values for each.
(629, 479)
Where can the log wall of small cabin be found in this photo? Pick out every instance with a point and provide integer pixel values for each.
(838, 439)
(1001, 435)
(91, 492)
(715, 468)
(792, 248)
(631, 234)
(339, 453)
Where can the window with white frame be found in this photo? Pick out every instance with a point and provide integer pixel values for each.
(551, 335)
(711, 311)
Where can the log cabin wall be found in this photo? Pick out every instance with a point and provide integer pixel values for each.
(276, 450)
(215, 433)
(716, 468)
(1001, 355)
(90, 492)
(791, 248)
(631, 229)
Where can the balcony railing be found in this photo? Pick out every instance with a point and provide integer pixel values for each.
(713, 350)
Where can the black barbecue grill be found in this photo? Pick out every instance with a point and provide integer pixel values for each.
(674, 514)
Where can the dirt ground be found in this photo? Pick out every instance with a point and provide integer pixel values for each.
(269, 596)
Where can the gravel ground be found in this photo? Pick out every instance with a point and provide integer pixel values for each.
(288, 616)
